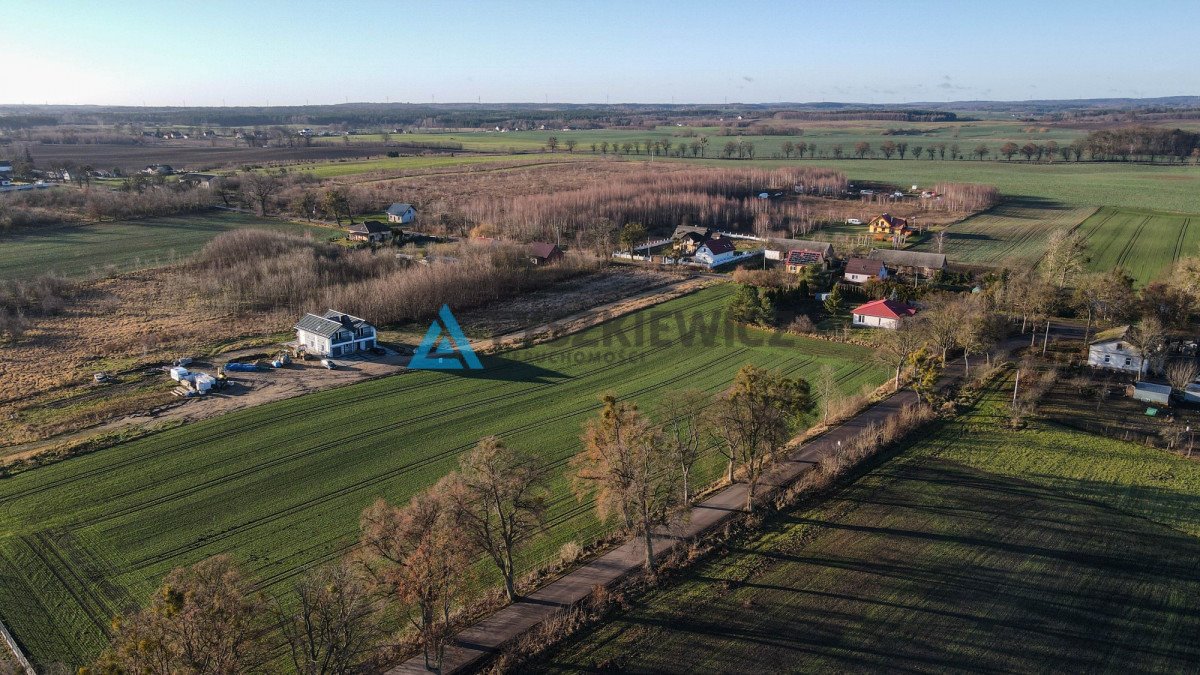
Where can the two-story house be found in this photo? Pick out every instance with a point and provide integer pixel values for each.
(334, 334)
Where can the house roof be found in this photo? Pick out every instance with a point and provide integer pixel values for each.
(863, 266)
(803, 256)
(1153, 387)
(329, 323)
(690, 232)
(823, 247)
(886, 309)
(719, 245)
(370, 227)
(542, 249)
(398, 208)
(1111, 335)
(900, 258)
(892, 220)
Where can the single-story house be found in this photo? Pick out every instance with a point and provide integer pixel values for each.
(799, 258)
(887, 314)
(862, 270)
(401, 213)
(334, 334)
(371, 230)
(716, 251)
(886, 226)
(910, 262)
(1149, 392)
(686, 239)
(544, 253)
(205, 180)
(1111, 350)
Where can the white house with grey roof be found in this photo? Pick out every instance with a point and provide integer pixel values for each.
(401, 213)
(334, 333)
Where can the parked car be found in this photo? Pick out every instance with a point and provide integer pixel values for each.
(329, 364)
(853, 221)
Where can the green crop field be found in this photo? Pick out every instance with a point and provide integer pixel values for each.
(280, 486)
(822, 133)
(338, 169)
(1168, 188)
(976, 549)
(121, 246)
(1145, 243)
(1013, 233)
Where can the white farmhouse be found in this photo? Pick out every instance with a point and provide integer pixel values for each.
(716, 251)
(401, 213)
(1112, 350)
(334, 334)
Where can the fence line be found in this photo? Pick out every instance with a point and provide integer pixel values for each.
(16, 651)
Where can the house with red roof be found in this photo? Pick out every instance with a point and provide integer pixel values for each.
(887, 314)
(544, 253)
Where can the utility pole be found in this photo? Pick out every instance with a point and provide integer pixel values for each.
(1016, 384)
(1046, 339)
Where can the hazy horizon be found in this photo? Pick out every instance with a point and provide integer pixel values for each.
(295, 53)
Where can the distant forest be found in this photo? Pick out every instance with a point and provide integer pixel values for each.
(468, 115)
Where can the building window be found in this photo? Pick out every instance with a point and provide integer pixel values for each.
(1128, 361)
(1107, 358)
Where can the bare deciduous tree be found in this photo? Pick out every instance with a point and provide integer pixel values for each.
(204, 619)
(625, 465)
(333, 625)
(417, 556)
(755, 419)
(260, 188)
(498, 497)
(682, 414)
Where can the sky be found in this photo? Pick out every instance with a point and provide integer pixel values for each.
(295, 52)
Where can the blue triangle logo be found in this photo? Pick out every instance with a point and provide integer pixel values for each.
(444, 346)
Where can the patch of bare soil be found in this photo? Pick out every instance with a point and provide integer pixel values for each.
(561, 300)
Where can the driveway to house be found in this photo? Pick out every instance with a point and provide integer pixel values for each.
(492, 633)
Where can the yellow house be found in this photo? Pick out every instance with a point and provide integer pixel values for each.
(887, 226)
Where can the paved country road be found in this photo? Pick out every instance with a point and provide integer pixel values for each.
(491, 634)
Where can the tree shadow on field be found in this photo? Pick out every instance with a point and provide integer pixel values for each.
(500, 368)
(1013, 205)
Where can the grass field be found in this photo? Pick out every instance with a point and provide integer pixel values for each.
(1167, 188)
(280, 486)
(977, 549)
(1013, 233)
(823, 133)
(111, 247)
(338, 169)
(1146, 243)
